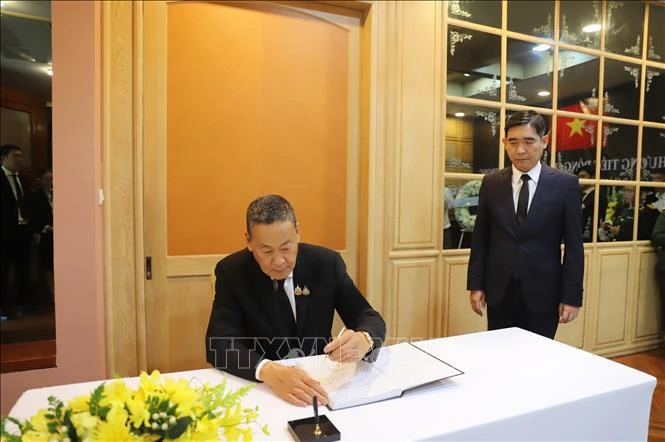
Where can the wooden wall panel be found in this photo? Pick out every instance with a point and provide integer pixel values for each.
(418, 153)
(648, 318)
(124, 278)
(613, 296)
(573, 333)
(189, 301)
(459, 318)
(414, 281)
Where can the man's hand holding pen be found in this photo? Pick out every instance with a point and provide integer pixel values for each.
(348, 346)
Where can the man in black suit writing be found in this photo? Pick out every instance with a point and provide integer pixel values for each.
(524, 213)
(276, 300)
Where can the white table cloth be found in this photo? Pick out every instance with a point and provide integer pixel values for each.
(515, 386)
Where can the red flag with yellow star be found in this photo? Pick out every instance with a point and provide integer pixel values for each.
(575, 133)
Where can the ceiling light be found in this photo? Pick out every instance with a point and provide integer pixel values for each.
(459, 114)
(467, 75)
(541, 48)
(595, 27)
(543, 93)
(49, 70)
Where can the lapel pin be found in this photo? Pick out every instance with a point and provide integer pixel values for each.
(297, 291)
(305, 291)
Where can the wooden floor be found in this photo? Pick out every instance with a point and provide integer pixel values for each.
(30, 355)
(652, 362)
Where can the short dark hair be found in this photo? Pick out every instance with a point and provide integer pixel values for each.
(590, 169)
(530, 118)
(6, 149)
(269, 209)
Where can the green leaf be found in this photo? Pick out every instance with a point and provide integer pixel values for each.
(179, 428)
(95, 398)
(6, 435)
(71, 431)
(52, 427)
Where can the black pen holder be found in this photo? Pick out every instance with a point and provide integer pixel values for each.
(305, 430)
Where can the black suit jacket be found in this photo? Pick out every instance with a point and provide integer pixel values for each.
(9, 207)
(499, 244)
(41, 212)
(245, 325)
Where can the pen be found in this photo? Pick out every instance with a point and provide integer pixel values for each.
(339, 335)
(317, 428)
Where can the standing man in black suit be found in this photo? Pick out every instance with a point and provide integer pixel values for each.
(524, 214)
(15, 236)
(276, 300)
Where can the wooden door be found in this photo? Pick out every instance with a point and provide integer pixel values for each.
(240, 100)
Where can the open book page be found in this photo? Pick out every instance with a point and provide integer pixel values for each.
(408, 366)
(348, 383)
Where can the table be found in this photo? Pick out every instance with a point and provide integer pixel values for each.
(516, 386)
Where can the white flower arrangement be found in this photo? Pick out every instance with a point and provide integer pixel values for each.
(467, 196)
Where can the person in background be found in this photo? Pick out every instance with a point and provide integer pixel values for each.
(276, 299)
(15, 235)
(647, 216)
(658, 241)
(41, 208)
(588, 202)
(621, 228)
(525, 212)
(448, 202)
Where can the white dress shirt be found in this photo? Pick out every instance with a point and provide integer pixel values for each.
(10, 177)
(534, 175)
(288, 288)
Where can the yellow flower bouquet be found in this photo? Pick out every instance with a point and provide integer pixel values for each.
(158, 410)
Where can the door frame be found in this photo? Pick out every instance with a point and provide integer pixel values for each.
(124, 158)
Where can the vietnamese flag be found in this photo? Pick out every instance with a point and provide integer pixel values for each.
(575, 133)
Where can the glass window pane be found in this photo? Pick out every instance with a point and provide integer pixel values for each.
(575, 143)
(482, 12)
(474, 65)
(656, 43)
(460, 204)
(653, 154)
(532, 17)
(619, 152)
(622, 89)
(588, 198)
(580, 23)
(620, 216)
(578, 82)
(624, 21)
(547, 155)
(529, 74)
(654, 95)
(648, 212)
(472, 139)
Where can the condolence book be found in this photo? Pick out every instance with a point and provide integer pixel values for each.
(399, 367)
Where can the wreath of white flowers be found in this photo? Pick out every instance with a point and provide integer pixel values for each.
(464, 217)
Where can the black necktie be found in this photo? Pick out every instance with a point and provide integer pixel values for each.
(284, 304)
(523, 200)
(19, 194)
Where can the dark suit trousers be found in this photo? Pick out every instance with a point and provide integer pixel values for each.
(512, 312)
(15, 251)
